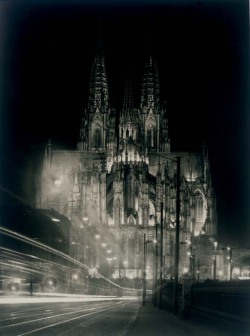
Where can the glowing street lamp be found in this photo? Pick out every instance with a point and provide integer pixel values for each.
(85, 218)
(74, 277)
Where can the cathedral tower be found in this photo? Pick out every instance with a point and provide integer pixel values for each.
(123, 170)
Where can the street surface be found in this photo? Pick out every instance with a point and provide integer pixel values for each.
(102, 316)
(68, 318)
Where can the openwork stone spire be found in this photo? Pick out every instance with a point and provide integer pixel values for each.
(127, 115)
(150, 85)
(98, 88)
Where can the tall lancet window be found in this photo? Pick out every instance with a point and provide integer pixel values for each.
(98, 140)
(199, 213)
(130, 195)
(151, 137)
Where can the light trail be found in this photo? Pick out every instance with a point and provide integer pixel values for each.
(69, 320)
(57, 297)
(20, 268)
(47, 248)
(45, 318)
(27, 256)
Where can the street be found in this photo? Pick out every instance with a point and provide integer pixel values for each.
(68, 318)
(103, 316)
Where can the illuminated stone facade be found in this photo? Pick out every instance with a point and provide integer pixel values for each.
(112, 185)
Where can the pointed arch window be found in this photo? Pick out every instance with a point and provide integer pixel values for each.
(98, 140)
(199, 213)
(130, 192)
(151, 137)
(199, 207)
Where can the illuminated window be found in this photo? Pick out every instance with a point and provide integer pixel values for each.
(199, 207)
(151, 141)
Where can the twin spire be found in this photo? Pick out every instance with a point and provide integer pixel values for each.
(141, 123)
(98, 87)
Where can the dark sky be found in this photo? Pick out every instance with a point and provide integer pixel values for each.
(47, 48)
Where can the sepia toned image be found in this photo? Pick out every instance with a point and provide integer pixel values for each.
(124, 177)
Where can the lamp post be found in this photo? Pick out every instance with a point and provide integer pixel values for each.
(144, 272)
(109, 261)
(74, 277)
(198, 269)
(97, 237)
(177, 233)
(230, 262)
(144, 275)
(161, 258)
(192, 262)
(215, 247)
(156, 265)
(125, 268)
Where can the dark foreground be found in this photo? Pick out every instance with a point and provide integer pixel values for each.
(69, 318)
(113, 318)
(154, 322)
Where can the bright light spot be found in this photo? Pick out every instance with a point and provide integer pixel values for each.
(104, 244)
(109, 251)
(228, 248)
(189, 253)
(185, 270)
(97, 236)
(114, 258)
(215, 244)
(56, 220)
(75, 276)
(58, 182)
(125, 262)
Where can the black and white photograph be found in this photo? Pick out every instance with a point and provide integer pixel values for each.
(124, 174)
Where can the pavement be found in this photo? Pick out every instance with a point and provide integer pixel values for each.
(152, 321)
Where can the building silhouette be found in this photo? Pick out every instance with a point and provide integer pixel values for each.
(112, 185)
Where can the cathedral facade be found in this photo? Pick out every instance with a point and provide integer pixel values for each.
(118, 187)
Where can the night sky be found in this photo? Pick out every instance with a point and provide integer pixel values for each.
(202, 47)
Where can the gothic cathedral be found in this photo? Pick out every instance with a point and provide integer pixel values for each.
(118, 187)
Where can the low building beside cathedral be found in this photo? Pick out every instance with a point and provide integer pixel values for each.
(118, 187)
